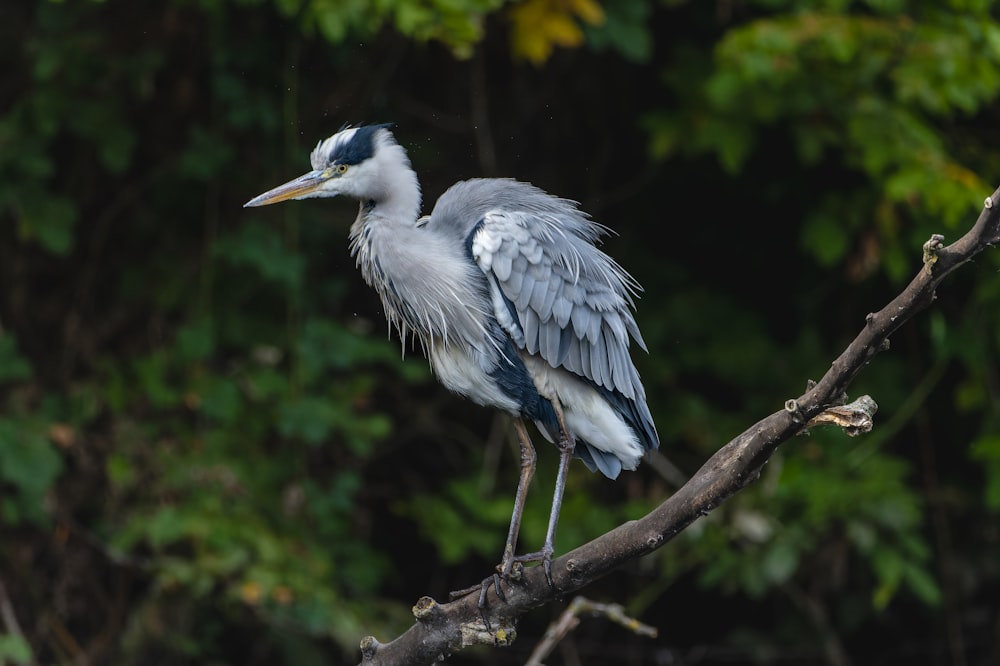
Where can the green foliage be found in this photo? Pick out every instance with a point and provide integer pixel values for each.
(217, 521)
(29, 463)
(444, 518)
(14, 649)
(777, 536)
(29, 467)
(987, 450)
(214, 520)
(462, 520)
(13, 367)
(865, 90)
(456, 23)
(625, 29)
(212, 453)
(878, 96)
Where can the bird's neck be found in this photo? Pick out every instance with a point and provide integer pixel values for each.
(395, 200)
(381, 234)
(400, 208)
(390, 208)
(426, 283)
(380, 220)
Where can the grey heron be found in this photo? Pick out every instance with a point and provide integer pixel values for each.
(511, 300)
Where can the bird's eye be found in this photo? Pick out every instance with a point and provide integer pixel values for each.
(341, 169)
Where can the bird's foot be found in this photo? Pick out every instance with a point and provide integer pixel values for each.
(513, 573)
(544, 556)
(509, 570)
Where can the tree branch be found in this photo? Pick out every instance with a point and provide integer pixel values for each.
(445, 628)
(570, 620)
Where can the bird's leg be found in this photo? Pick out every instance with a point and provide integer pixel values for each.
(528, 458)
(567, 444)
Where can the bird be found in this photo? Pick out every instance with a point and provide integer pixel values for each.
(511, 300)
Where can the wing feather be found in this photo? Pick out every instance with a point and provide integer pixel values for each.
(530, 325)
(562, 310)
(599, 361)
(573, 303)
(553, 343)
(515, 281)
(566, 341)
(502, 264)
(584, 370)
(537, 302)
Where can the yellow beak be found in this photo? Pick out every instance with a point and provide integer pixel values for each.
(300, 188)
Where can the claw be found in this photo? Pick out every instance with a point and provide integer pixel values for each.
(544, 556)
(483, 589)
(464, 592)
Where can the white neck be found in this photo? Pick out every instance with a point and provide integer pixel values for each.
(393, 192)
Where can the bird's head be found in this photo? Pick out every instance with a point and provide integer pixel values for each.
(359, 162)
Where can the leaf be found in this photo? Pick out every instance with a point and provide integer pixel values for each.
(166, 526)
(261, 248)
(220, 399)
(538, 26)
(120, 470)
(921, 583)
(309, 418)
(825, 239)
(29, 463)
(15, 650)
(204, 156)
(987, 449)
(49, 221)
(12, 366)
(195, 340)
(444, 519)
(153, 374)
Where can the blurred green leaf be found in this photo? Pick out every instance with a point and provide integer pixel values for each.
(14, 650)
(196, 339)
(13, 367)
(220, 399)
(444, 518)
(310, 419)
(826, 238)
(261, 249)
(986, 449)
(30, 464)
(49, 222)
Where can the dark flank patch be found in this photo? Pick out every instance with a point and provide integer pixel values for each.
(360, 148)
(512, 377)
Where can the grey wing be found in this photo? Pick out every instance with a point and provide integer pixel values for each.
(559, 296)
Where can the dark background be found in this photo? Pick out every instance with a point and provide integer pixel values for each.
(210, 451)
